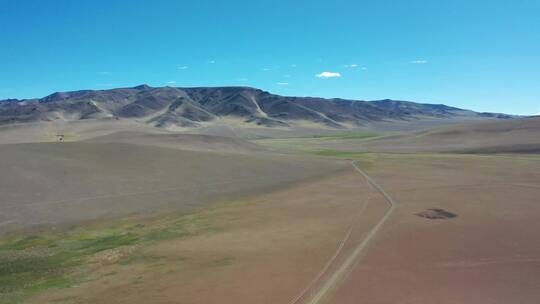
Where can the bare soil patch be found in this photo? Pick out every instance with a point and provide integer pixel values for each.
(488, 254)
(436, 214)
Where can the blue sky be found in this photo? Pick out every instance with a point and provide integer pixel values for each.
(481, 55)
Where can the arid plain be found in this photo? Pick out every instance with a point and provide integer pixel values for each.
(120, 213)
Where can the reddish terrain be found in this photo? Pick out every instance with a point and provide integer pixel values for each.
(486, 254)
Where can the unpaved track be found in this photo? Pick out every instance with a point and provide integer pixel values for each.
(484, 255)
(349, 262)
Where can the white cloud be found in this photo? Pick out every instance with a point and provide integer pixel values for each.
(183, 67)
(420, 61)
(328, 75)
(171, 82)
(283, 83)
(266, 69)
(212, 61)
(363, 68)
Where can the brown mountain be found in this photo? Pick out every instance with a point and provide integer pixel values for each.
(165, 107)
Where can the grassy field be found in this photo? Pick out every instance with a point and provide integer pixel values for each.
(278, 240)
(30, 264)
(349, 135)
(64, 183)
(313, 143)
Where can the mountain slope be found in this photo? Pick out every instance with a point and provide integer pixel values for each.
(169, 107)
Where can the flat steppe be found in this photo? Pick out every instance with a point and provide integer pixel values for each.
(130, 215)
(507, 136)
(487, 253)
(56, 184)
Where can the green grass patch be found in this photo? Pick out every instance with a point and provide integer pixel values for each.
(24, 274)
(26, 242)
(90, 246)
(187, 226)
(34, 263)
(348, 135)
(341, 154)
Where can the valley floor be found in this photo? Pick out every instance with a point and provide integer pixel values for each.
(462, 229)
(486, 254)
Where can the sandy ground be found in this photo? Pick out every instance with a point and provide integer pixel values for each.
(270, 250)
(489, 253)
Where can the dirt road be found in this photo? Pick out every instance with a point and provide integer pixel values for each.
(341, 272)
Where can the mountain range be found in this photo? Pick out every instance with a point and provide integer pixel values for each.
(170, 107)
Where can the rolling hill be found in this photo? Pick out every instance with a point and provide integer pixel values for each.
(509, 136)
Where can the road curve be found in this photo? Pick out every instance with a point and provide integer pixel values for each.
(347, 265)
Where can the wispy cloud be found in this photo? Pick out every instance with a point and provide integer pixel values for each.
(354, 66)
(328, 75)
(211, 61)
(266, 69)
(419, 61)
(530, 114)
(283, 83)
(183, 67)
(287, 76)
(293, 65)
(171, 82)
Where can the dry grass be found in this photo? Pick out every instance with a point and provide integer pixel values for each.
(264, 249)
(55, 184)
